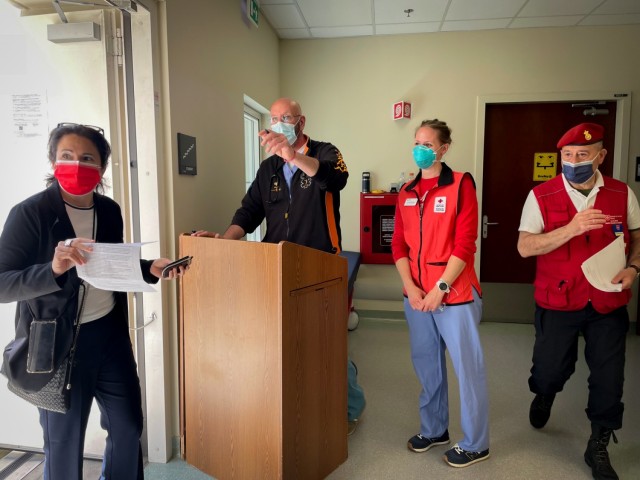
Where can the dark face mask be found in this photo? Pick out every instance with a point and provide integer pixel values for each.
(578, 172)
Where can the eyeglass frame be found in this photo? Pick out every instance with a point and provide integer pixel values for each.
(100, 130)
(283, 118)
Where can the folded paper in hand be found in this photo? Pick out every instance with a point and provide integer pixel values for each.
(601, 267)
(115, 267)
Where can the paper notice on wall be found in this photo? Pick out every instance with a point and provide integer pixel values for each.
(28, 114)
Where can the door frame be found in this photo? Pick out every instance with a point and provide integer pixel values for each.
(149, 191)
(623, 121)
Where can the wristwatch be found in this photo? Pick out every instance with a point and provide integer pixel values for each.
(444, 286)
(636, 268)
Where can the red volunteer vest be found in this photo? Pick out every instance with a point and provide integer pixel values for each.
(430, 238)
(560, 283)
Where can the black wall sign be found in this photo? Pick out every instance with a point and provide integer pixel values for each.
(187, 155)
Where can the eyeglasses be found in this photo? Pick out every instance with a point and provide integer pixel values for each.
(284, 118)
(92, 127)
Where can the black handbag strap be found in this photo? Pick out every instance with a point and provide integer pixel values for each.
(85, 288)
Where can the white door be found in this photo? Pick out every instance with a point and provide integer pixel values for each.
(41, 84)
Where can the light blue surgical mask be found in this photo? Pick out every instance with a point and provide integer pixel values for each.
(578, 172)
(424, 156)
(286, 129)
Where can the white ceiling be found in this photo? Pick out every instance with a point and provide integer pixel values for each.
(351, 18)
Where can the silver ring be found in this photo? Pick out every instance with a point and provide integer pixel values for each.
(67, 242)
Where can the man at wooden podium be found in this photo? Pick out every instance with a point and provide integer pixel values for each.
(297, 191)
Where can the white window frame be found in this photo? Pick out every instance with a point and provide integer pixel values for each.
(252, 125)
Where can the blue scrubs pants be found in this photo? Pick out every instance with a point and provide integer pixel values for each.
(104, 369)
(355, 394)
(456, 329)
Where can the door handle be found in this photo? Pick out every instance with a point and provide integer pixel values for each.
(485, 225)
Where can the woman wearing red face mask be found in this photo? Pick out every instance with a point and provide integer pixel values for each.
(43, 240)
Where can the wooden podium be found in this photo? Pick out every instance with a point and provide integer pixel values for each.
(263, 360)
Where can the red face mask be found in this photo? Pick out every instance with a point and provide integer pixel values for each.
(77, 178)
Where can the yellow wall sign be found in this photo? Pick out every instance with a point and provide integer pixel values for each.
(544, 166)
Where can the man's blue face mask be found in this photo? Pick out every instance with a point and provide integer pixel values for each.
(286, 129)
(578, 172)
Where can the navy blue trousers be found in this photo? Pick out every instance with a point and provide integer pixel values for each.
(104, 369)
(556, 351)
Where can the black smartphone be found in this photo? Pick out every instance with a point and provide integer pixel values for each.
(182, 262)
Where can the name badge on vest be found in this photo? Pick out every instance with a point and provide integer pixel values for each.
(440, 205)
(410, 202)
(617, 230)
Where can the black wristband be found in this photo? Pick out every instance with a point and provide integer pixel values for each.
(636, 268)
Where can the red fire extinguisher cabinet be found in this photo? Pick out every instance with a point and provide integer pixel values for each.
(377, 219)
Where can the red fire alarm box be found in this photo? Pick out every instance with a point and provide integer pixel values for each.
(377, 219)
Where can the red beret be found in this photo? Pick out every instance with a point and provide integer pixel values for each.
(583, 134)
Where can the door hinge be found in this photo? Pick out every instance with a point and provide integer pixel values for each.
(117, 46)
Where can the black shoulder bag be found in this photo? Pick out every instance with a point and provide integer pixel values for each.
(55, 395)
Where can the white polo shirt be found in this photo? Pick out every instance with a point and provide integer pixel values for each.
(531, 220)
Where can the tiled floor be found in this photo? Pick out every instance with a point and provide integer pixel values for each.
(377, 450)
(16, 465)
(174, 470)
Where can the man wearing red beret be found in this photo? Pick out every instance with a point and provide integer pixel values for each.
(564, 222)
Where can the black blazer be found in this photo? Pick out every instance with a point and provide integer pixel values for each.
(27, 244)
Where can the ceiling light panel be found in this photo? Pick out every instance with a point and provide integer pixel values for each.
(336, 13)
(283, 16)
(548, 8)
(482, 9)
(612, 7)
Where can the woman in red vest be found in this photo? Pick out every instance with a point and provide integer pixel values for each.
(434, 244)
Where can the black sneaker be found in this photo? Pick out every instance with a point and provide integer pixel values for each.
(457, 457)
(596, 455)
(419, 444)
(541, 410)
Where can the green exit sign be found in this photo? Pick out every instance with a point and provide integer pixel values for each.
(252, 11)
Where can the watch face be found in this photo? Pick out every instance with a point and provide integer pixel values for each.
(443, 286)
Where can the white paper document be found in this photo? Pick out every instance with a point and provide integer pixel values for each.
(601, 267)
(115, 267)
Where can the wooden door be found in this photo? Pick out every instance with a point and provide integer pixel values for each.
(514, 133)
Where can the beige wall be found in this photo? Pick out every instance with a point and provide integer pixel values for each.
(347, 87)
(214, 59)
